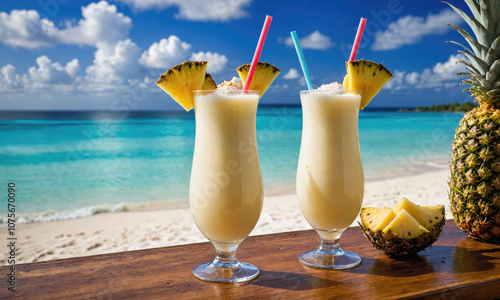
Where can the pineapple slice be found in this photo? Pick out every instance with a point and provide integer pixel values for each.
(405, 226)
(263, 76)
(388, 218)
(435, 210)
(209, 83)
(180, 81)
(373, 216)
(366, 76)
(427, 217)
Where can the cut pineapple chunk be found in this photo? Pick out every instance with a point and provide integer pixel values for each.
(435, 210)
(427, 217)
(180, 82)
(386, 220)
(366, 76)
(263, 76)
(405, 226)
(209, 83)
(373, 216)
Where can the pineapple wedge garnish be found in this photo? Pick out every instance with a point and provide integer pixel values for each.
(180, 82)
(209, 83)
(263, 76)
(366, 76)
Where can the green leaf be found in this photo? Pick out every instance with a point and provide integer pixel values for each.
(495, 67)
(474, 8)
(492, 13)
(470, 82)
(465, 47)
(469, 66)
(483, 9)
(480, 65)
(491, 77)
(493, 93)
(497, 27)
(478, 78)
(490, 57)
(481, 33)
(466, 18)
(473, 90)
(476, 47)
(496, 45)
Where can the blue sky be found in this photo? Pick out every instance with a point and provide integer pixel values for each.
(107, 55)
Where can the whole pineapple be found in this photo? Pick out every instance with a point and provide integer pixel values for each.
(475, 159)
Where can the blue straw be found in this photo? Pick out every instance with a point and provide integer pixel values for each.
(302, 60)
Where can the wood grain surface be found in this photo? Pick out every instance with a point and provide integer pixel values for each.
(455, 267)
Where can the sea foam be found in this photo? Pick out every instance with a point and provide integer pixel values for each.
(83, 212)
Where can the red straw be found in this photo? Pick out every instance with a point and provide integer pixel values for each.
(361, 27)
(258, 50)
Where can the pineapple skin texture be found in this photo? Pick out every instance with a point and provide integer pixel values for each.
(475, 174)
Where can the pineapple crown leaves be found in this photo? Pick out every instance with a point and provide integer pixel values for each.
(484, 51)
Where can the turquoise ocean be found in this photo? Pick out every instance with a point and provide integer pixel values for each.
(75, 164)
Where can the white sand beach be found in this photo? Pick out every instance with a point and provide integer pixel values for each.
(123, 231)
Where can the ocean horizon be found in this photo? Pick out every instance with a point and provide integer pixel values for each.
(70, 164)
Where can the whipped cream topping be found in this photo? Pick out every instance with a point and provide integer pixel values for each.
(231, 85)
(333, 88)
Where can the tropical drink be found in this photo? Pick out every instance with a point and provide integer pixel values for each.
(226, 183)
(330, 182)
(226, 191)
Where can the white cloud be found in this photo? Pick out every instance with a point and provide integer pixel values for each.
(101, 23)
(410, 30)
(316, 40)
(46, 74)
(118, 64)
(197, 10)
(49, 72)
(72, 67)
(114, 64)
(441, 75)
(412, 78)
(279, 87)
(292, 74)
(146, 83)
(25, 28)
(9, 80)
(216, 62)
(166, 53)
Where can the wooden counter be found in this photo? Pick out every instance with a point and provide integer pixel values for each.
(455, 267)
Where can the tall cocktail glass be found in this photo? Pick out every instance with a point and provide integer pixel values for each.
(226, 189)
(330, 181)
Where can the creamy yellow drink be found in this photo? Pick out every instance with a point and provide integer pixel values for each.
(330, 181)
(225, 192)
(226, 188)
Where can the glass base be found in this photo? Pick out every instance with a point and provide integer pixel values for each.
(329, 255)
(317, 259)
(234, 272)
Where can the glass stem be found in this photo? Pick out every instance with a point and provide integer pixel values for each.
(225, 259)
(330, 247)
